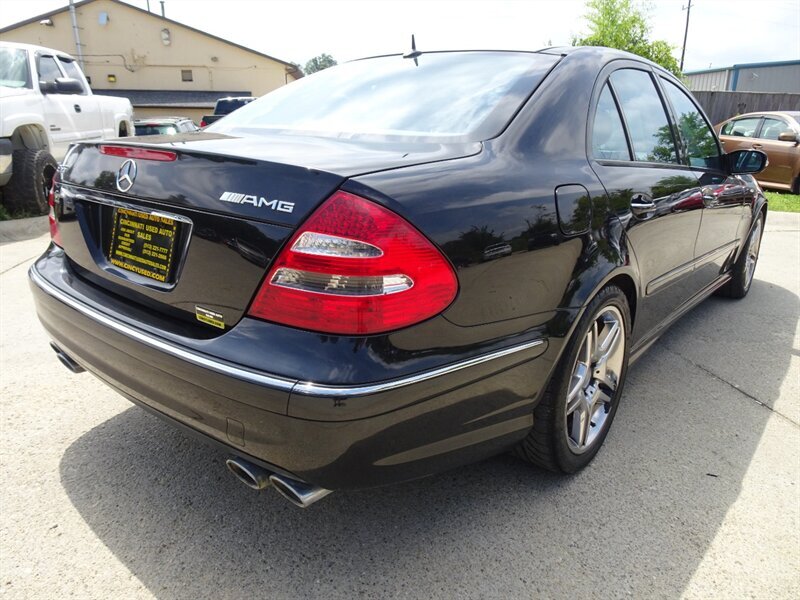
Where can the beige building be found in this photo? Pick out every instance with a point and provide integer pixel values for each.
(162, 66)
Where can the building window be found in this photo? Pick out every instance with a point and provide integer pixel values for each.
(186, 75)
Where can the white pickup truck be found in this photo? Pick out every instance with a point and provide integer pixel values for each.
(46, 104)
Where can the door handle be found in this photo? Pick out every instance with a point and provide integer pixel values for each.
(77, 107)
(642, 204)
(757, 146)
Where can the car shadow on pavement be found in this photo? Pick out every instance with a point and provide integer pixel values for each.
(637, 521)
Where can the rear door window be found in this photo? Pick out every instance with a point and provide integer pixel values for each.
(608, 134)
(698, 144)
(741, 127)
(772, 128)
(645, 117)
(72, 71)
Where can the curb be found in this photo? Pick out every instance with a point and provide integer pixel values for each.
(17, 230)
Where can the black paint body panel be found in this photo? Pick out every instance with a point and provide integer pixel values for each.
(531, 223)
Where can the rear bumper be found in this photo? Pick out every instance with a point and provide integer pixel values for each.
(337, 437)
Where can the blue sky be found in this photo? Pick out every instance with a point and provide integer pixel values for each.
(722, 32)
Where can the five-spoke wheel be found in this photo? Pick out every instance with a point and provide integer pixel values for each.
(575, 412)
(594, 379)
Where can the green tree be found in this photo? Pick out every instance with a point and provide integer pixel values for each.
(623, 24)
(318, 63)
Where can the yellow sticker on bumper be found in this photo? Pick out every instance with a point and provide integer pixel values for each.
(209, 317)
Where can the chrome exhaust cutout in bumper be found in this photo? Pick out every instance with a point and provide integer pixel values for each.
(66, 360)
(299, 493)
(249, 474)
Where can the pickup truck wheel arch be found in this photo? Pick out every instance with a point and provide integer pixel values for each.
(32, 137)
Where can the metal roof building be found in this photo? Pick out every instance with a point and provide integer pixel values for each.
(782, 76)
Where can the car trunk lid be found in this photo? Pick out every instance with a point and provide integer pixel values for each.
(189, 228)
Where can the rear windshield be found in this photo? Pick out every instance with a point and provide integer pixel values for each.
(156, 130)
(448, 96)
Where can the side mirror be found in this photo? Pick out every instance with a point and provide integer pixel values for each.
(787, 136)
(67, 85)
(48, 87)
(742, 162)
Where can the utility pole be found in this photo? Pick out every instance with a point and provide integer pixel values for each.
(686, 32)
(76, 34)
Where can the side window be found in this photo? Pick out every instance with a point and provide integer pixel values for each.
(772, 128)
(741, 127)
(645, 117)
(48, 69)
(608, 135)
(72, 71)
(697, 140)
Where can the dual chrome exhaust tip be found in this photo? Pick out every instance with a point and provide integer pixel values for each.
(297, 492)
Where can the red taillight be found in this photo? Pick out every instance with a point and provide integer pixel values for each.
(140, 153)
(55, 234)
(355, 268)
(203, 123)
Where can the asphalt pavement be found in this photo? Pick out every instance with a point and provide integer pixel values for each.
(695, 494)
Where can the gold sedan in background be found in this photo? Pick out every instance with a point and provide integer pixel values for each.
(777, 134)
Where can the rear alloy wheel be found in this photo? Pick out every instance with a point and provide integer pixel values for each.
(594, 380)
(29, 186)
(745, 267)
(576, 410)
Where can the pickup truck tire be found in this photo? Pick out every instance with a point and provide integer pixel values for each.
(29, 186)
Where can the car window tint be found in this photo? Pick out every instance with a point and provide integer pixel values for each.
(645, 117)
(48, 69)
(72, 71)
(772, 128)
(608, 135)
(460, 96)
(741, 127)
(698, 145)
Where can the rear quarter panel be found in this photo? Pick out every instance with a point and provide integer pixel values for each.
(506, 194)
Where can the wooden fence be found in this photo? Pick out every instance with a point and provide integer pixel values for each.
(720, 106)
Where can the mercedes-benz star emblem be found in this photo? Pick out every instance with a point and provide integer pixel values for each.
(126, 175)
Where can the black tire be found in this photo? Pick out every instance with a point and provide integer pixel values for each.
(796, 186)
(741, 273)
(29, 186)
(547, 445)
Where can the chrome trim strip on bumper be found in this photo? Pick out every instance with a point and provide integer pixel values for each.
(308, 388)
(162, 345)
(305, 388)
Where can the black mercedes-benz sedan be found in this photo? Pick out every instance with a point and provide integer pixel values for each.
(401, 264)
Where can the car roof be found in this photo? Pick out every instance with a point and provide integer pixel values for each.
(795, 114)
(610, 53)
(34, 48)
